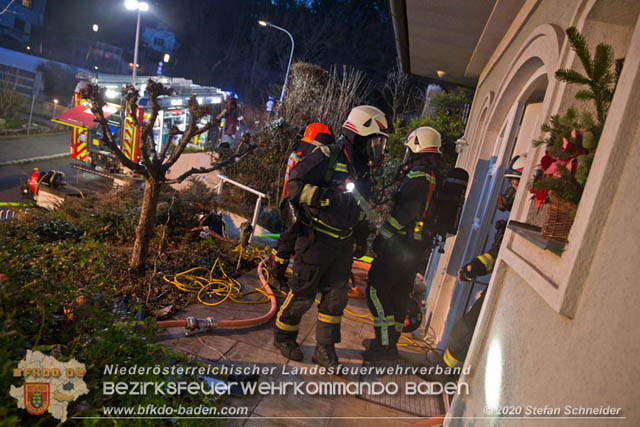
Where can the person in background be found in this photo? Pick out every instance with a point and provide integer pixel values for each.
(462, 331)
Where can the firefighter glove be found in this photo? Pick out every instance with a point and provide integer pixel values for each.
(471, 270)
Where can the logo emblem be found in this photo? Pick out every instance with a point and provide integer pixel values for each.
(36, 398)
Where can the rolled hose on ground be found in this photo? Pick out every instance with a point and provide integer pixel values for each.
(193, 323)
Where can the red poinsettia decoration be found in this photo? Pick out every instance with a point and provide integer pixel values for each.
(553, 167)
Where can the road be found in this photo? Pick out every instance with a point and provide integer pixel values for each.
(33, 146)
(12, 176)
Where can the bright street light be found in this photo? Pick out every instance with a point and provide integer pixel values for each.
(166, 58)
(286, 76)
(95, 28)
(140, 6)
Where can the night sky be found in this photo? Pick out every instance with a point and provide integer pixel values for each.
(222, 44)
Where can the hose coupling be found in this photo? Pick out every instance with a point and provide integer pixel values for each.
(196, 326)
(209, 324)
(192, 323)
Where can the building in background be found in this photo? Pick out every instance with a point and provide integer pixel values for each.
(557, 327)
(157, 47)
(17, 21)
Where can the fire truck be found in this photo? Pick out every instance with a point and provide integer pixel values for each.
(86, 136)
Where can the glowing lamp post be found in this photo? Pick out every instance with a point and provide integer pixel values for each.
(286, 76)
(140, 6)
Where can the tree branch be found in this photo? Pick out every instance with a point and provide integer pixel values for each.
(195, 113)
(95, 95)
(173, 131)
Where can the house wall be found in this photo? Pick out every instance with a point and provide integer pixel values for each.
(555, 330)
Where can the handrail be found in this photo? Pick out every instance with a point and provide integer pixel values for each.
(256, 211)
(244, 187)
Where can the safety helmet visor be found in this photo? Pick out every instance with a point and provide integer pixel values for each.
(375, 147)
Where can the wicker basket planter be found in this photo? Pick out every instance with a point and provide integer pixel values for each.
(559, 221)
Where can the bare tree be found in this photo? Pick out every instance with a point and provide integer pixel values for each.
(154, 164)
(398, 92)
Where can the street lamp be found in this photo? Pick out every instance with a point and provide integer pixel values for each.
(55, 104)
(286, 76)
(140, 6)
(95, 28)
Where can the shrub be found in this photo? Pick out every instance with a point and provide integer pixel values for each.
(67, 273)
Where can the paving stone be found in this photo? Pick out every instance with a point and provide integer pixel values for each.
(206, 346)
(258, 421)
(254, 346)
(244, 355)
(296, 407)
(354, 407)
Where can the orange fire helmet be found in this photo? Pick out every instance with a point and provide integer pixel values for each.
(314, 129)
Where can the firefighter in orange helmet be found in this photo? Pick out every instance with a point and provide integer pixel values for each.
(315, 134)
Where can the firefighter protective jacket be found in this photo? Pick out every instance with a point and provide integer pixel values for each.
(483, 264)
(414, 198)
(318, 172)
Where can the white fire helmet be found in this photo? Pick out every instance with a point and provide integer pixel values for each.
(367, 120)
(424, 140)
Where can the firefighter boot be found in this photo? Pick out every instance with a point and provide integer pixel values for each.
(290, 350)
(439, 371)
(375, 352)
(325, 355)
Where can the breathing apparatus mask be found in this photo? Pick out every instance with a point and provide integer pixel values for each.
(374, 149)
(505, 200)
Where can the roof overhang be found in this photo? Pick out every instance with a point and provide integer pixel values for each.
(456, 37)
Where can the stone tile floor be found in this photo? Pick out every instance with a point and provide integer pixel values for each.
(254, 346)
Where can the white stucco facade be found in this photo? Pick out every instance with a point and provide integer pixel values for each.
(555, 330)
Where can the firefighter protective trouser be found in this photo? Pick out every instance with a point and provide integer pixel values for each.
(389, 284)
(461, 335)
(323, 264)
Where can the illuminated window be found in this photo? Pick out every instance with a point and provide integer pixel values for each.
(26, 3)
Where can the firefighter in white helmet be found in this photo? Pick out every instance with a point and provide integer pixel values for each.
(331, 224)
(402, 243)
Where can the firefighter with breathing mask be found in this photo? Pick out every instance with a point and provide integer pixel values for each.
(331, 224)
